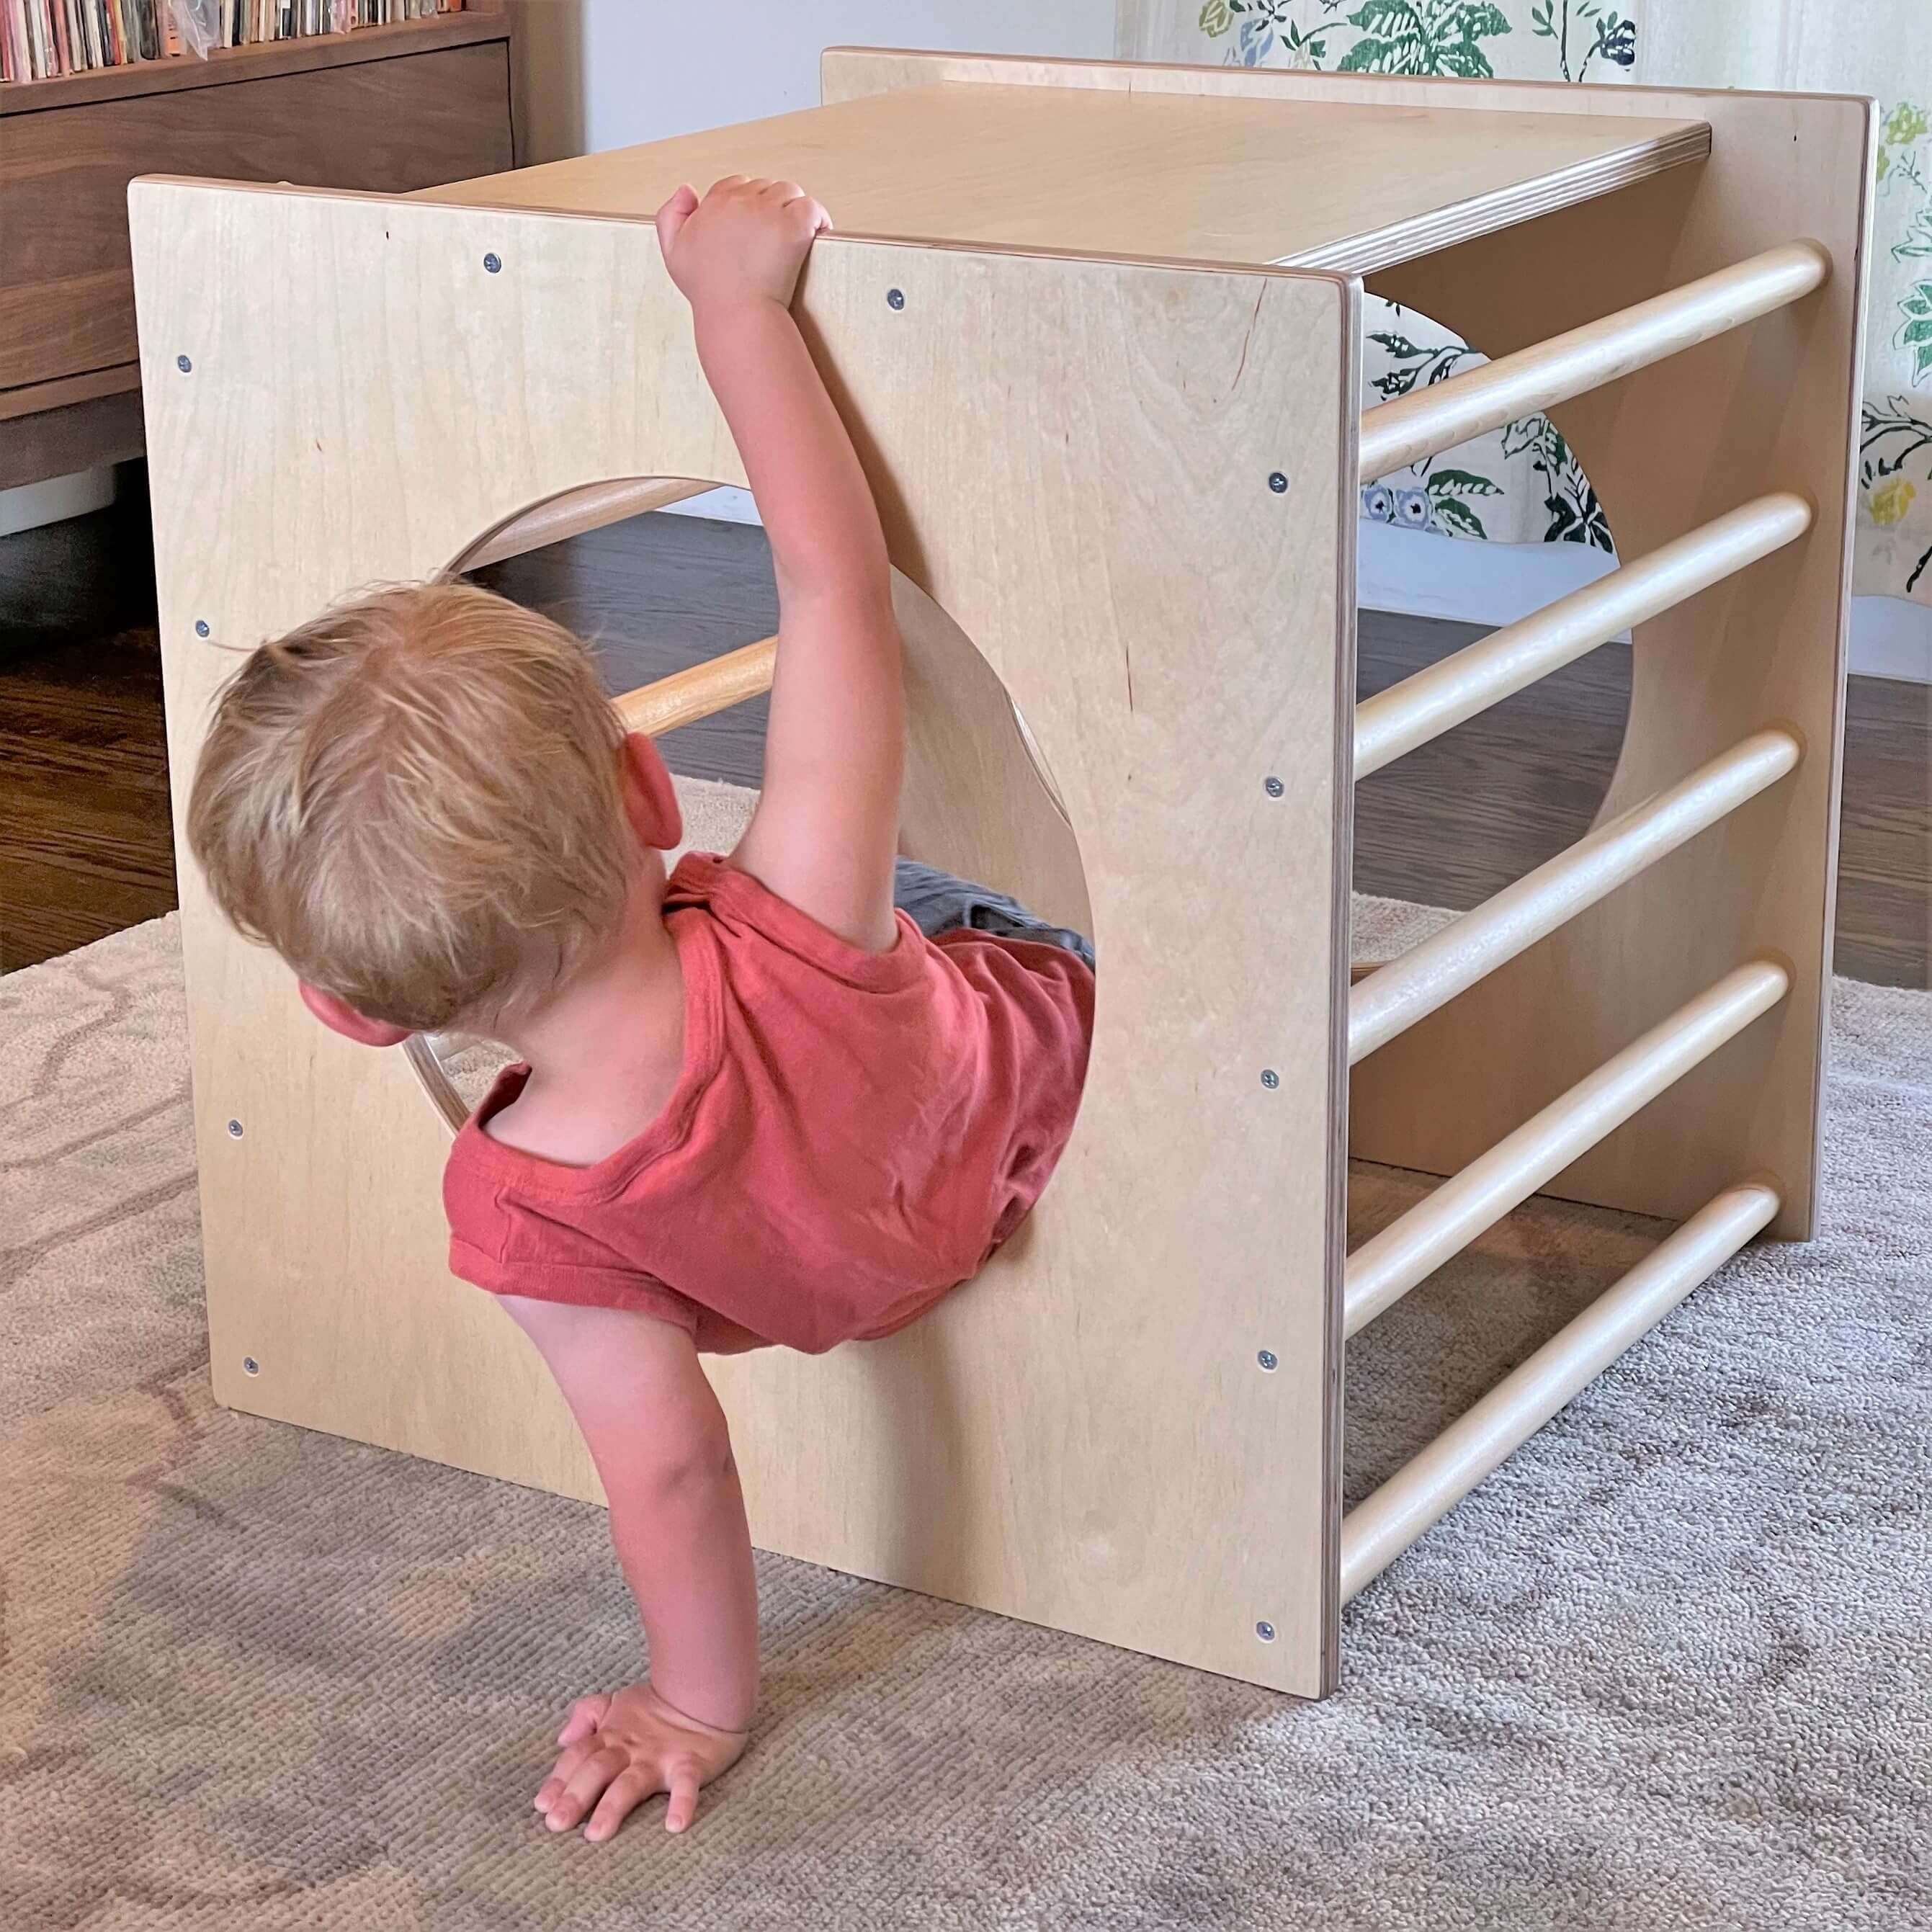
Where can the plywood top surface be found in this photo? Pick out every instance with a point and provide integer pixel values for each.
(1308, 184)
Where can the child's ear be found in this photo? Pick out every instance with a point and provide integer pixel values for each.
(339, 1016)
(650, 799)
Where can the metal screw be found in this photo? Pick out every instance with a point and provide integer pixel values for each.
(201, 627)
(492, 264)
(1277, 482)
(1264, 1630)
(1271, 1078)
(895, 298)
(234, 1128)
(183, 364)
(250, 1367)
(1273, 787)
(1269, 1360)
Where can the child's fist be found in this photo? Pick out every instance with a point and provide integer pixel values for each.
(619, 1750)
(744, 242)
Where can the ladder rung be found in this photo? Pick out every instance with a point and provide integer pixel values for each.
(1395, 721)
(1387, 1002)
(1428, 420)
(1384, 1269)
(705, 689)
(1378, 1530)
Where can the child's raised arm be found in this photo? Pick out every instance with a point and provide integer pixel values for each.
(827, 828)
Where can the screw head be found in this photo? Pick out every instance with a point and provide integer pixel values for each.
(1269, 1360)
(250, 1367)
(1264, 1630)
(201, 627)
(1277, 482)
(1273, 787)
(234, 1130)
(1271, 1079)
(492, 264)
(183, 364)
(895, 298)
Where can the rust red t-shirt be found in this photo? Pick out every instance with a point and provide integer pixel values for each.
(851, 1134)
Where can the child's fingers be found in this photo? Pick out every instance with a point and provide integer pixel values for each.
(793, 200)
(565, 1768)
(586, 1714)
(625, 1792)
(672, 216)
(683, 1806)
(586, 1784)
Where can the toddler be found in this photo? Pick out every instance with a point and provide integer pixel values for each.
(755, 1103)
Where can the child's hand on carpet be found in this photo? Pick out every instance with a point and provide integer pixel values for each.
(619, 1750)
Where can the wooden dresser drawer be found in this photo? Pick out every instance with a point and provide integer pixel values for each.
(66, 304)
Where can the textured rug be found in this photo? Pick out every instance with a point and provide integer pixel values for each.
(1673, 1667)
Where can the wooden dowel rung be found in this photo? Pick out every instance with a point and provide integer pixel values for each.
(1389, 1000)
(713, 686)
(575, 511)
(1384, 1269)
(1395, 721)
(1379, 1529)
(1427, 421)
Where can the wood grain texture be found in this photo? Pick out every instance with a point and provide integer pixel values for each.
(72, 436)
(66, 290)
(689, 697)
(480, 21)
(1069, 1439)
(32, 398)
(85, 846)
(1104, 172)
(1770, 407)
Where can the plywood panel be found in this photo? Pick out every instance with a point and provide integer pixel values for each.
(1083, 1436)
(1102, 171)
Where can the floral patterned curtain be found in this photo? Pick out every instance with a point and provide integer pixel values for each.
(1523, 485)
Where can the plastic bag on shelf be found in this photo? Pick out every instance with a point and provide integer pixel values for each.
(198, 22)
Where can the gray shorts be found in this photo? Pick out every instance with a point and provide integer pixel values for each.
(938, 903)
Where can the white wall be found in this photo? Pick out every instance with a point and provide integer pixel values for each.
(607, 73)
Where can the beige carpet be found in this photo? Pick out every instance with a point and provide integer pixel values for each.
(1673, 1667)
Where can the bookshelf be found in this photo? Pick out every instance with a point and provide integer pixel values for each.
(388, 110)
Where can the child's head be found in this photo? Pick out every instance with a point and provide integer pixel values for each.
(423, 801)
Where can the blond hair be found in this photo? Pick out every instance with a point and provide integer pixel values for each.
(415, 799)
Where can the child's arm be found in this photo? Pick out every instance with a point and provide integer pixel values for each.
(827, 827)
(658, 1437)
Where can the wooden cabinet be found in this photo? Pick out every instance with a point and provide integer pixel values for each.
(388, 110)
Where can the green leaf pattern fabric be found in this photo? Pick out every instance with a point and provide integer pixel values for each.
(1523, 485)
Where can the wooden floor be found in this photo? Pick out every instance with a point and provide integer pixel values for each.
(85, 844)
